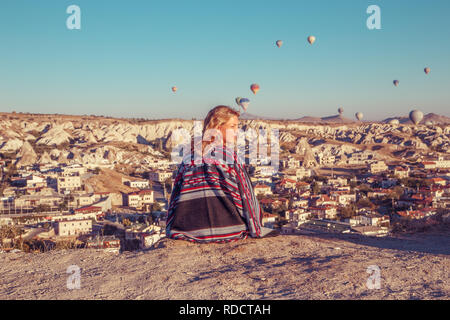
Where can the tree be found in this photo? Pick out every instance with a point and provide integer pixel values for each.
(63, 206)
(365, 189)
(315, 188)
(155, 207)
(168, 185)
(291, 203)
(365, 203)
(396, 193)
(348, 211)
(126, 222)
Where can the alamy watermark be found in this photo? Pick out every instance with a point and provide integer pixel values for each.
(74, 280)
(74, 20)
(374, 281)
(374, 21)
(255, 152)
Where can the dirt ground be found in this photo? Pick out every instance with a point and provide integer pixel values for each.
(316, 266)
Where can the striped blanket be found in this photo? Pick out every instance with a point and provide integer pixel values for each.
(213, 201)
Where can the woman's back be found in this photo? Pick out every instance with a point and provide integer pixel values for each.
(213, 201)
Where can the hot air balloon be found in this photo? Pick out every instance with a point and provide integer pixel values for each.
(174, 89)
(244, 102)
(237, 100)
(359, 115)
(255, 88)
(429, 123)
(394, 122)
(426, 70)
(396, 83)
(279, 43)
(341, 110)
(311, 39)
(416, 116)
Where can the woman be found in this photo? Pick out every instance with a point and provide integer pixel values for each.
(213, 199)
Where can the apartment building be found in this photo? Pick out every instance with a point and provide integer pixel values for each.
(68, 183)
(73, 227)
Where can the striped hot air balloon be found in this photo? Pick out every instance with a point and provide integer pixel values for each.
(243, 102)
(255, 88)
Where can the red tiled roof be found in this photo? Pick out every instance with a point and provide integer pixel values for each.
(266, 201)
(140, 192)
(269, 215)
(90, 208)
(437, 179)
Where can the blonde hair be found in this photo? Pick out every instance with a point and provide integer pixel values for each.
(215, 118)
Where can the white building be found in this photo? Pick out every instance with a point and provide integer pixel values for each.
(326, 160)
(441, 162)
(69, 183)
(290, 163)
(377, 167)
(339, 181)
(262, 189)
(136, 183)
(140, 184)
(345, 199)
(265, 171)
(302, 173)
(75, 170)
(401, 172)
(140, 199)
(73, 227)
(160, 176)
(298, 215)
(35, 181)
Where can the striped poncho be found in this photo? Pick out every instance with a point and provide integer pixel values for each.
(213, 201)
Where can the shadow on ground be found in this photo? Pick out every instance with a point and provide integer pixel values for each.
(436, 242)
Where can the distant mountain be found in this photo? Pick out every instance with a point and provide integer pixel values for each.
(249, 116)
(308, 119)
(305, 119)
(435, 118)
(330, 119)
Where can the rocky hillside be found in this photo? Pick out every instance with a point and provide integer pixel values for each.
(99, 141)
(314, 266)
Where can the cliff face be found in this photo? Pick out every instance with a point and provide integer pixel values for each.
(283, 267)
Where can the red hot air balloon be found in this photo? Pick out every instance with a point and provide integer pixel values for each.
(174, 89)
(255, 88)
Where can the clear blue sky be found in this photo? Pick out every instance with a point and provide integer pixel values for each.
(128, 54)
